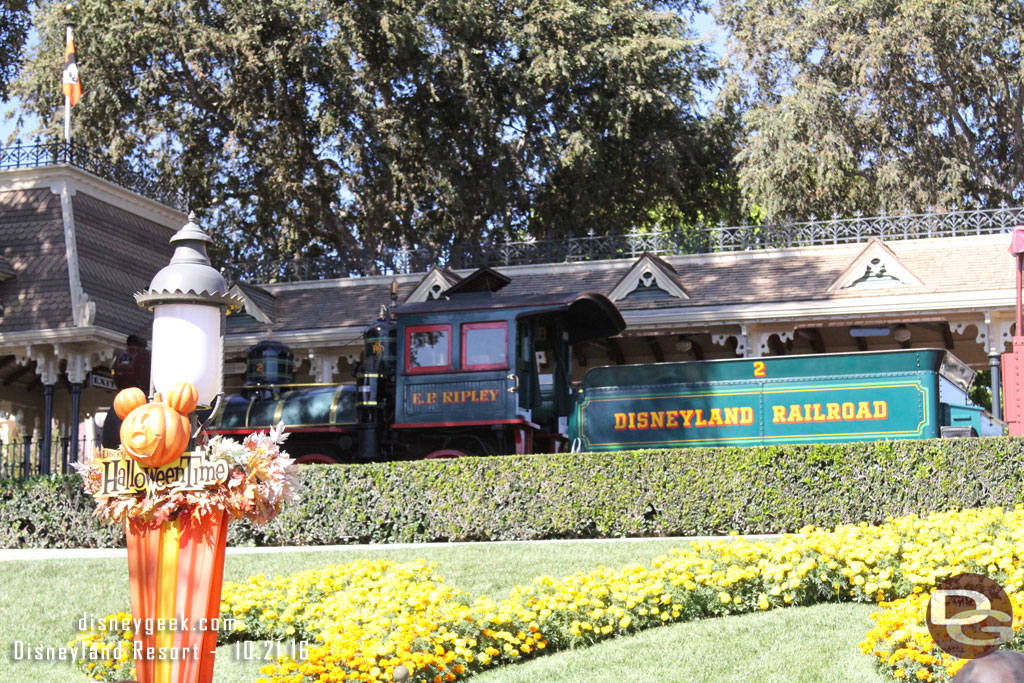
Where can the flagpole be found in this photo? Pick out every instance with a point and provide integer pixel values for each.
(67, 100)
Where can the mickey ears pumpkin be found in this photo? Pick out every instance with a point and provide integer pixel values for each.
(128, 400)
(183, 397)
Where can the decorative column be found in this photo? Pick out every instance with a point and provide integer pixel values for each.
(997, 403)
(992, 335)
(47, 364)
(47, 422)
(27, 441)
(76, 416)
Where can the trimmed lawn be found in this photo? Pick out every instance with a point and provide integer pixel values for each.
(801, 644)
(42, 600)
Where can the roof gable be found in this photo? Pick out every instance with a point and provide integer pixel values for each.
(649, 273)
(433, 285)
(481, 280)
(876, 266)
(257, 302)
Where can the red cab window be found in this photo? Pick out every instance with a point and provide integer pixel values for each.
(428, 348)
(485, 346)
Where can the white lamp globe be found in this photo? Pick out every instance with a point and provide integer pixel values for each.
(188, 347)
(188, 299)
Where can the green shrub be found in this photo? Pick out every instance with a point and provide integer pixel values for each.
(52, 512)
(591, 495)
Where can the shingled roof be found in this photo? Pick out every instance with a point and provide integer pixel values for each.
(102, 247)
(32, 242)
(945, 265)
(119, 252)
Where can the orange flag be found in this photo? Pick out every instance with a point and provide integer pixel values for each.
(72, 86)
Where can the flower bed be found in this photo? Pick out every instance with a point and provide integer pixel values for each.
(904, 648)
(367, 618)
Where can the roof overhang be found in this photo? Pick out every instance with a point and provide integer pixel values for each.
(844, 308)
(298, 339)
(62, 335)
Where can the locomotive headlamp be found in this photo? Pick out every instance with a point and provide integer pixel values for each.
(188, 298)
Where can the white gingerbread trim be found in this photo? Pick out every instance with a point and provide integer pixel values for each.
(876, 266)
(722, 338)
(47, 362)
(82, 359)
(1000, 332)
(432, 286)
(784, 335)
(323, 364)
(980, 325)
(647, 272)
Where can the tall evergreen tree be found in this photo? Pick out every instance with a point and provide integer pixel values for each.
(321, 124)
(891, 104)
(14, 25)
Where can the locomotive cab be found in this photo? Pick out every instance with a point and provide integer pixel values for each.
(481, 372)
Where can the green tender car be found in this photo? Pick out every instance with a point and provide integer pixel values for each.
(911, 394)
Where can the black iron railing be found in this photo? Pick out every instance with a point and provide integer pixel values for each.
(662, 241)
(40, 154)
(25, 458)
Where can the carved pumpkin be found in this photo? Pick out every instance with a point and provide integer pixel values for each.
(155, 434)
(128, 400)
(183, 397)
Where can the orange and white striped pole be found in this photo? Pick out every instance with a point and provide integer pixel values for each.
(176, 569)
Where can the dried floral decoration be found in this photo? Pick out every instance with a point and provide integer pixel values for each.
(262, 479)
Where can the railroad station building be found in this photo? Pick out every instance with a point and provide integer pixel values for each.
(78, 237)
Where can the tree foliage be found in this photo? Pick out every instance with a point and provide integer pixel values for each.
(14, 25)
(877, 104)
(321, 124)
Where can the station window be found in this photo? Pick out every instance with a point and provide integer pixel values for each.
(428, 348)
(485, 346)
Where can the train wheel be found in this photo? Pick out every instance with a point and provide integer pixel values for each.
(446, 454)
(315, 459)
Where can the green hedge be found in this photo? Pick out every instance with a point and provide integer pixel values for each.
(591, 495)
(51, 512)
